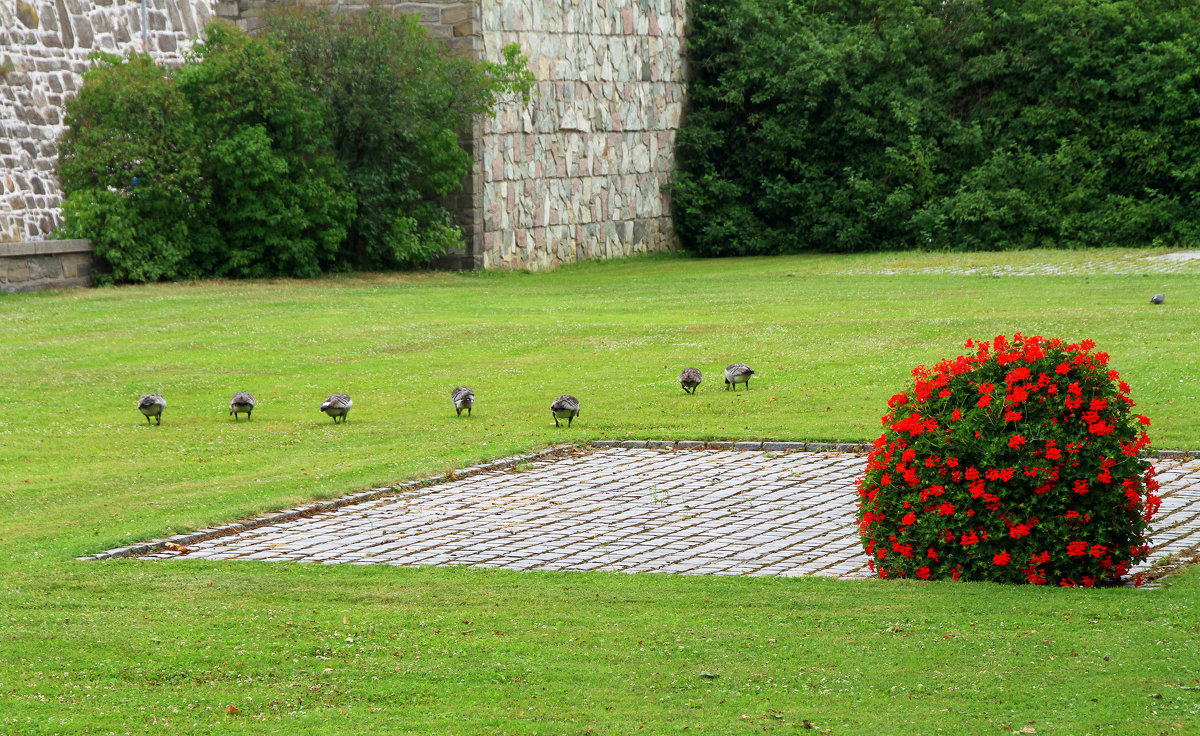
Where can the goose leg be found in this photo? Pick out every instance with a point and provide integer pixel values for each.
(555, 419)
(468, 411)
(458, 411)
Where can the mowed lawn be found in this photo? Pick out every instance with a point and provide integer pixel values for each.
(191, 647)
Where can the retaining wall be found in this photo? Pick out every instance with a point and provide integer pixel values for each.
(45, 264)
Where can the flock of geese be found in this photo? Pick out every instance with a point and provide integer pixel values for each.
(338, 406)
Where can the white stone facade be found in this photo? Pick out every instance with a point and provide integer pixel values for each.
(579, 172)
(44, 47)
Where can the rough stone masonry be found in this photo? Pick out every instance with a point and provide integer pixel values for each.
(575, 174)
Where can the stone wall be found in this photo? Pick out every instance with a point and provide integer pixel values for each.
(575, 174)
(44, 45)
(579, 173)
(45, 264)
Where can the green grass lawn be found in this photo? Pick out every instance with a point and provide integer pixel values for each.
(197, 648)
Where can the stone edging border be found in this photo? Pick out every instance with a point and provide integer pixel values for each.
(276, 517)
(221, 530)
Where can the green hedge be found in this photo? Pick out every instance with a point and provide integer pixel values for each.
(324, 145)
(959, 125)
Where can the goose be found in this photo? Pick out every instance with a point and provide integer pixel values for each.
(242, 401)
(152, 405)
(1158, 298)
(463, 398)
(738, 373)
(337, 405)
(690, 378)
(564, 407)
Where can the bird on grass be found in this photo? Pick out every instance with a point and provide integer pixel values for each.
(337, 405)
(152, 405)
(463, 398)
(242, 401)
(690, 378)
(1158, 298)
(738, 373)
(564, 407)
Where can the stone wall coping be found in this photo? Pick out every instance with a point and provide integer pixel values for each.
(44, 248)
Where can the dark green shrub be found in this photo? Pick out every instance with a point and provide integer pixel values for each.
(1016, 464)
(130, 168)
(279, 205)
(976, 124)
(398, 100)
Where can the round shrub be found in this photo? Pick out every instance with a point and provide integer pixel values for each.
(1016, 464)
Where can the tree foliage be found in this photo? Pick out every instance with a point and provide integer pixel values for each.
(398, 101)
(962, 125)
(130, 166)
(321, 146)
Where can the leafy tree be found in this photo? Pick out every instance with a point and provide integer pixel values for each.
(129, 165)
(398, 102)
(279, 205)
(971, 124)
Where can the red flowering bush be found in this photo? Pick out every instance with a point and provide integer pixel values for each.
(1016, 464)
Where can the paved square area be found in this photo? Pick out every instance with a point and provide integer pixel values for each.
(719, 512)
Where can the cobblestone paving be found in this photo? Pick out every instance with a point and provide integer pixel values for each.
(724, 512)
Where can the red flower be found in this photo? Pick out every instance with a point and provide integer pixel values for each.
(955, 415)
(1000, 559)
(1012, 416)
(1016, 441)
(1143, 420)
(909, 518)
(1077, 549)
(923, 573)
(969, 539)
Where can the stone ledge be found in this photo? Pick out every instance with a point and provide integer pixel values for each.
(44, 248)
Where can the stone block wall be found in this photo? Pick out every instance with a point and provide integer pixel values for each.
(45, 264)
(579, 172)
(44, 47)
(575, 174)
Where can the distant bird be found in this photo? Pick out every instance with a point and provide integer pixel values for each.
(738, 373)
(463, 398)
(1158, 298)
(152, 405)
(242, 401)
(690, 378)
(337, 405)
(564, 407)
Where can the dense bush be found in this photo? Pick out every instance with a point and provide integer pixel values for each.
(130, 166)
(398, 101)
(1016, 464)
(322, 146)
(971, 124)
(279, 205)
